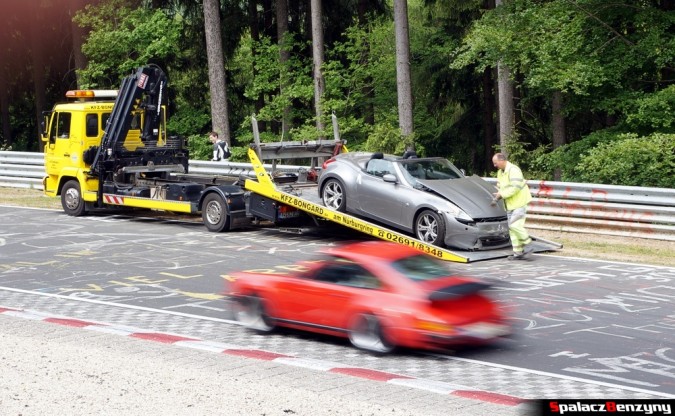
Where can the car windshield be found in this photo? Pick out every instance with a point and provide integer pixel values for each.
(420, 268)
(429, 169)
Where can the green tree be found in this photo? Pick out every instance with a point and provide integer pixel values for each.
(123, 38)
(602, 57)
(631, 160)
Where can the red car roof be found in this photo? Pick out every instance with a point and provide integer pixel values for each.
(383, 250)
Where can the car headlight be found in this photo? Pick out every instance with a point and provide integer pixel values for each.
(458, 213)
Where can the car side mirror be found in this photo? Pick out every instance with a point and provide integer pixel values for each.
(388, 177)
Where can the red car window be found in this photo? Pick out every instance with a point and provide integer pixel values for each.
(347, 274)
(421, 268)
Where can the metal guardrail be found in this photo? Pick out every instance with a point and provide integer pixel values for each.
(560, 206)
(629, 211)
(21, 169)
(26, 169)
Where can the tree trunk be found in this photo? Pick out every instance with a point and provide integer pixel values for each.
(4, 80)
(293, 16)
(255, 36)
(269, 32)
(367, 90)
(268, 19)
(489, 130)
(284, 56)
(79, 35)
(506, 107)
(558, 127)
(38, 70)
(317, 55)
(216, 62)
(403, 81)
(4, 103)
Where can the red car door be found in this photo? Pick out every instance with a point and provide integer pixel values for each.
(329, 295)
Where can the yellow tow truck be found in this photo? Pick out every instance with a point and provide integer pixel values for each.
(109, 150)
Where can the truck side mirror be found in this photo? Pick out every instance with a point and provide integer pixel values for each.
(43, 125)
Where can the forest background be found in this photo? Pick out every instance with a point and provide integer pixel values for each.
(591, 82)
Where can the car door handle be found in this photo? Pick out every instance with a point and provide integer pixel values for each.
(66, 154)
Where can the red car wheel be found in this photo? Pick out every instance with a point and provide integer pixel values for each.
(251, 312)
(367, 333)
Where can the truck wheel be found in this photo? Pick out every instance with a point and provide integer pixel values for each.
(430, 227)
(71, 199)
(333, 195)
(214, 213)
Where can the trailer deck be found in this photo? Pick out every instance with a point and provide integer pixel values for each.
(305, 197)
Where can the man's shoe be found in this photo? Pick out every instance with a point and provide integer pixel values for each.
(517, 256)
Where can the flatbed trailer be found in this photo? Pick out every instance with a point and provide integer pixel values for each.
(305, 197)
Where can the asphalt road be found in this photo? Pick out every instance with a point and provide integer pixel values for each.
(585, 328)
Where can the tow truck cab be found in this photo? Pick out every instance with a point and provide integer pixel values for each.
(72, 131)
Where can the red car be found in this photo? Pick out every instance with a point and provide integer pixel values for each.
(378, 294)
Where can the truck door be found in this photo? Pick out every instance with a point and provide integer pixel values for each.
(57, 151)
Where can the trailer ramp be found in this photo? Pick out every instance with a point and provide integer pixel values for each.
(265, 186)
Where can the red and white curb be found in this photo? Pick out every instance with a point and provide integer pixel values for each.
(313, 364)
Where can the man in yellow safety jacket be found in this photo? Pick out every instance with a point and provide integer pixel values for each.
(516, 195)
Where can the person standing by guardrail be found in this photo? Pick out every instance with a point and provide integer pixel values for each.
(221, 151)
(516, 195)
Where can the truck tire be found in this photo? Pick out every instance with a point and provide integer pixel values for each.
(215, 213)
(71, 199)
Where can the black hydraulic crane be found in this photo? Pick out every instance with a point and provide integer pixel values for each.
(143, 94)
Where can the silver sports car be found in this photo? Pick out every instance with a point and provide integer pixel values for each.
(427, 197)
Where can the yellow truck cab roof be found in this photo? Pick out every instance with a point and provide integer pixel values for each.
(88, 100)
(86, 106)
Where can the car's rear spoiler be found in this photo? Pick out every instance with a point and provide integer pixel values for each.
(456, 291)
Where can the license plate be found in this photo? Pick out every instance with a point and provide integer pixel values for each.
(493, 228)
(486, 330)
(289, 214)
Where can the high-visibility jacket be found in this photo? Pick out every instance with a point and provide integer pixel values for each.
(512, 187)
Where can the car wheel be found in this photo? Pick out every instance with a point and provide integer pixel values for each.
(430, 227)
(214, 213)
(367, 333)
(251, 312)
(71, 199)
(333, 195)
